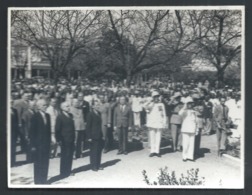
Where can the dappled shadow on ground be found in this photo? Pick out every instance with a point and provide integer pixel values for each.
(82, 169)
(110, 163)
(135, 146)
(22, 180)
(20, 163)
(202, 152)
(166, 150)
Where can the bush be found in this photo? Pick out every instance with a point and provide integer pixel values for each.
(167, 178)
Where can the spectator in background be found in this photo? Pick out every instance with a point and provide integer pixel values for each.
(122, 124)
(208, 115)
(221, 119)
(176, 120)
(80, 127)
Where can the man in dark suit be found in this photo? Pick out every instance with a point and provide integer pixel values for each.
(122, 123)
(222, 119)
(65, 136)
(14, 130)
(94, 136)
(40, 142)
(21, 105)
(26, 124)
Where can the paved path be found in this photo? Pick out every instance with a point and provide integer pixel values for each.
(126, 170)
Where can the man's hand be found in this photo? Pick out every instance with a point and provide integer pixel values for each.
(108, 125)
(53, 140)
(115, 128)
(33, 149)
(89, 140)
(130, 128)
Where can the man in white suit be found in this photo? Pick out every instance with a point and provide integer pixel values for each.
(156, 122)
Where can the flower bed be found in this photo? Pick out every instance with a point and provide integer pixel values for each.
(164, 177)
(233, 147)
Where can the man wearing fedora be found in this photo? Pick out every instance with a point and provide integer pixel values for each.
(156, 123)
(176, 120)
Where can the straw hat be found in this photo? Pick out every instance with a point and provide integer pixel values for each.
(155, 93)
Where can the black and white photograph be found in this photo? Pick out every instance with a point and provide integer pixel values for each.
(126, 97)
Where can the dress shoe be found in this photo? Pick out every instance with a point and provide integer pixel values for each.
(151, 155)
(95, 170)
(158, 155)
(184, 160)
(191, 160)
(101, 168)
(125, 153)
(118, 153)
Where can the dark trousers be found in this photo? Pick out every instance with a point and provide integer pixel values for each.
(66, 160)
(13, 150)
(41, 164)
(197, 143)
(105, 132)
(176, 136)
(21, 136)
(123, 138)
(79, 142)
(85, 142)
(96, 147)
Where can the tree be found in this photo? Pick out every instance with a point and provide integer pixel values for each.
(221, 44)
(158, 36)
(58, 34)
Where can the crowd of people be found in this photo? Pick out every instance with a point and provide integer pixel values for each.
(63, 120)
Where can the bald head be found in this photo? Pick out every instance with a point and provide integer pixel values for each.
(65, 106)
(42, 105)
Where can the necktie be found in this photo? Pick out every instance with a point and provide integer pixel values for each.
(224, 114)
(121, 108)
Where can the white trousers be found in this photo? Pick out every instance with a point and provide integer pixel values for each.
(188, 140)
(137, 119)
(155, 139)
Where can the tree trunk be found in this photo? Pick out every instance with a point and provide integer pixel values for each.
(129, 78)
(220, 75)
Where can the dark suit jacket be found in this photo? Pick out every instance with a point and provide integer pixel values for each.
(14, 122)
(123, 119)
(64, 128)
(85, 109)
(94, 126)
(26, 122)
(40, 134)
